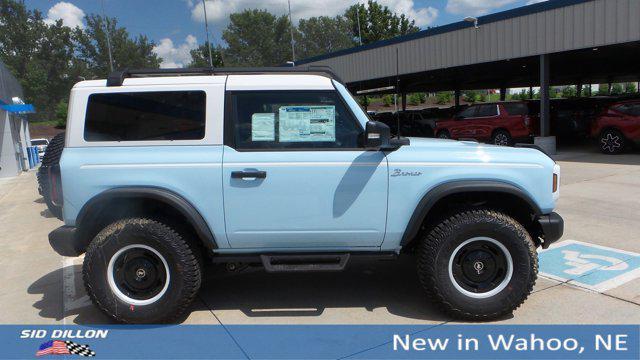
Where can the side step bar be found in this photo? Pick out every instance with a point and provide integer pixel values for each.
(304, 263)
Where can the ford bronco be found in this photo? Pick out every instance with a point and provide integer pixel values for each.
(164, 171)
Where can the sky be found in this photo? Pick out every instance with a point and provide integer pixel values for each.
(177, 26)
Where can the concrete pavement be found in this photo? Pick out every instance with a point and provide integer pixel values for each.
(600, 203)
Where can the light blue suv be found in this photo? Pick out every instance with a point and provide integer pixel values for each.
(164, 171)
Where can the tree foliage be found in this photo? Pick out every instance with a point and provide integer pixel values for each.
(200, 56)
(127, 52)
(378, 22)
(321, 35)
(257, 38)
(40, 56)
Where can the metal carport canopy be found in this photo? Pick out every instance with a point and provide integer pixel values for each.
(588, 41)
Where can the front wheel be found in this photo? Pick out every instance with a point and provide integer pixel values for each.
(141, 271)
(478, 264)
(502, 138)
(444, 134)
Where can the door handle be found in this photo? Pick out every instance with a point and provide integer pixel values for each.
(256, 174)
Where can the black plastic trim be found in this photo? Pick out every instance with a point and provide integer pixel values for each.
(455, 187)
(65, 242)
(163, 195)
(116, 78)
(552, 227)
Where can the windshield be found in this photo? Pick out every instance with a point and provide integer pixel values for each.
(362, 116)
(38, 142)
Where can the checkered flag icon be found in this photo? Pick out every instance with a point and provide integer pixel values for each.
(78, 349)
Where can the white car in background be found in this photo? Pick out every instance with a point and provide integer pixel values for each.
(42, 146)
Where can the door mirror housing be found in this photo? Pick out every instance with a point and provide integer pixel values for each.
(377, 136)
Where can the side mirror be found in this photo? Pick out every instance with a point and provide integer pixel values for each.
(376, 135)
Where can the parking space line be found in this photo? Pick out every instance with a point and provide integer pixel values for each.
(68, 285)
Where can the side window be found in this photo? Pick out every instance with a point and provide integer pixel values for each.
(487, 110)
(467, 113)
(516, 108)
(631, 109)
(144, 116)
(292, 120)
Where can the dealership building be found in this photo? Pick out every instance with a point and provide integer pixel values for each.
(557, 42)
(14, 128)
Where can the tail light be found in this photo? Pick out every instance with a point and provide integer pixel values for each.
(55, 185)
(527, 121)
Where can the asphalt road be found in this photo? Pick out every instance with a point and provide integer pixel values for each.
(600, 203)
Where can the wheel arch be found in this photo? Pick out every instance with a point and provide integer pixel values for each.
(137, 201)
(472, 191)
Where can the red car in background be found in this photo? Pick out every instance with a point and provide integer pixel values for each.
(617, 127)
(498, 123)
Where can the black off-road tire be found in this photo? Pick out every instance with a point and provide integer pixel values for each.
(612, 142)
(502, 138)
(185, 271)
(436, 249)
(51, 157)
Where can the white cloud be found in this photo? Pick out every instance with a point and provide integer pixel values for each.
(218, 10)
(71, 15)
(475, 7)
(175, 56)
(422, 16)
(535, 1)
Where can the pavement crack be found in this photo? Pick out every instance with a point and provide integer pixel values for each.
(225, 328)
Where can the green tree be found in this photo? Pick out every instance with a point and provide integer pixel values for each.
(569, 92)
(470, 96)
(387, 100)
(40, 56)
(617, 89)
(128, 52)
(257, 38)
(200, 56)
(378, 22)
(444, 97)
(630, 88)
(414, 99)
(603, 89)
(321, 35)
(60, 114)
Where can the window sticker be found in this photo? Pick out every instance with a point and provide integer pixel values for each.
(307, 123)
(263, 127)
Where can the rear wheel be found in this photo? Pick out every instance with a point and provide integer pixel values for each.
(444, 134)
(612, 142)
(478, 264)
(502, 138)
(141, 271)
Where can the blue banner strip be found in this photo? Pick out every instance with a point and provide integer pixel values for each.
(330, 341)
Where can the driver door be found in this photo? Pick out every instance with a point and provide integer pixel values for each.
(295, 173)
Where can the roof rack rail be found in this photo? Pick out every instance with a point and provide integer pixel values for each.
(116, 78)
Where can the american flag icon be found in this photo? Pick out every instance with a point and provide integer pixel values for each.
(59, 347)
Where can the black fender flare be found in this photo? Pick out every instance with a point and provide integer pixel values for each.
(455, 187)
(165, 196)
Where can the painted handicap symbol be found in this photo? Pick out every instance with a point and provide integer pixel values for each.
(581, 263)
(590, 266)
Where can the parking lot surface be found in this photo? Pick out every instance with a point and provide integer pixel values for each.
(600, 203)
